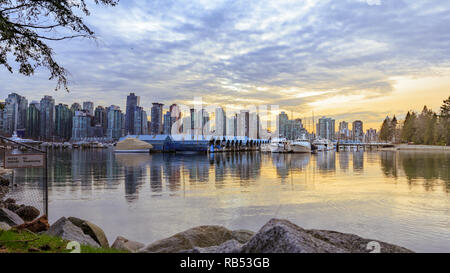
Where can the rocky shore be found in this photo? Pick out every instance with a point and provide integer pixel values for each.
(276, 236)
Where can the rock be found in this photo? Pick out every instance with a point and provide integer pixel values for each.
(242, 235)
(10, 217)
(198, 237)
(4, 226)
(38, 225)
(94, 231)
(122, 243)
(28, 213)
(10, 201)
(231, 246)
(12, 206)
(4, 182)
(66, 230)
(353, 243)
(282, 236)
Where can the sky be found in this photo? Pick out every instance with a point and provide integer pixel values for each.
(348, 59)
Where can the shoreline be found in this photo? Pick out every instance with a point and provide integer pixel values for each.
(407, 147)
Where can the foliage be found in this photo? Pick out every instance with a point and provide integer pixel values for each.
(27, 25)
(427, 128)
(385, 132)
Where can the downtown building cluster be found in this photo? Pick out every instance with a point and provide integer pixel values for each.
(45, 120)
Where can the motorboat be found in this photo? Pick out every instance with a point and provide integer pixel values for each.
(301, 145)
(18, 139)
(280, 145)
(322, 144)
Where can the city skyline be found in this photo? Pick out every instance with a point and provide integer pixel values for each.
(133, 111)
(319, 56)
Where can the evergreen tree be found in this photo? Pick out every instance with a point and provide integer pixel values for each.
(444, 122)
(385, 131)
(409, 127)
(393, 130)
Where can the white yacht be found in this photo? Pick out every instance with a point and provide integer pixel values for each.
(323, 144)
(280, 145)
(23, 140)
(301, 145)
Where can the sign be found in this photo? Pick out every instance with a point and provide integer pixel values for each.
(24, 161)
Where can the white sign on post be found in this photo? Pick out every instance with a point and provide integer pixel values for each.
(24, 161)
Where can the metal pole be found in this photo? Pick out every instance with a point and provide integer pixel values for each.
(46, 186)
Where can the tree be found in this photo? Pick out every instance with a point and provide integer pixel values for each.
(409, 127)
(27, 25)
(444, 122)
(393, 130)
(385, 131)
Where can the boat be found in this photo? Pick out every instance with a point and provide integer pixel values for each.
(301, 145)
(132, 145)
(18, 139)
(279, 145)
(322, 144)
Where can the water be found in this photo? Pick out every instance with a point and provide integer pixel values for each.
(398, 197)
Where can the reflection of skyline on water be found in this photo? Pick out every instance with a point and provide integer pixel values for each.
(87, 170)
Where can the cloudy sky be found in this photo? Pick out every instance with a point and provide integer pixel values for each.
(349, 59)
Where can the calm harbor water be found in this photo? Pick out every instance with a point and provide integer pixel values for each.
(398, 197)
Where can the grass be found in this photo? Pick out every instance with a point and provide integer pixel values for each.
(13, 241)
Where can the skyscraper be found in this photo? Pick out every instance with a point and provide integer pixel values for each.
(231, 126)
(344, 132)
(115, 122)
(33, 118)
(15, 114)
(132, 102)
(221, 122)
(157, 115)
(88, 107)
(282, 124)
(47, 118)
(80, 125)
(243, 123)
(63, 122)
(140, 121)
(325, 128)
(254, 125)
(167, 123)
(101, 118)
(75, 107)
(358, 131)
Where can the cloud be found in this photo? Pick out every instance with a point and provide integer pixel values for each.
(235, 51)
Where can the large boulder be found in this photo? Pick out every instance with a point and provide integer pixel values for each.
(10, 217)
(282, 236)
(123, 243)
(4, 226)
(28, 213)
(38, 225)
(231, 246)
(198, 237)
(94, 231)
(66, 230)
